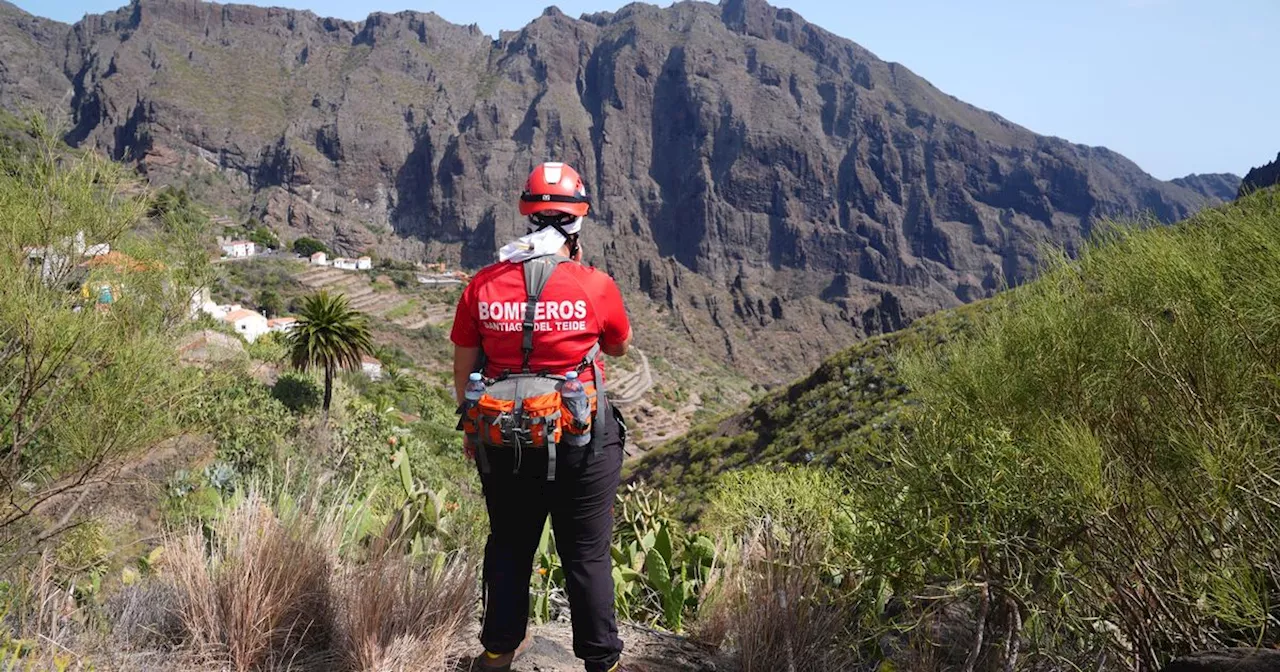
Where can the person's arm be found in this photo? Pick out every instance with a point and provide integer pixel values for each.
(466, 340)
(464, 362)
(616, 336)
(617, 349)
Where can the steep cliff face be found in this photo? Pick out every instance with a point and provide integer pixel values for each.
(1263, 176)
(776, 189)
(31, 54)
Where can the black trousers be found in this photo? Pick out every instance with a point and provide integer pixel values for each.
(580, 503)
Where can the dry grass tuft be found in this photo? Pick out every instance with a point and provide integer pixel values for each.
(395, 616)
(144, 615)
(37, 607)
(776, 611)
(258, 593)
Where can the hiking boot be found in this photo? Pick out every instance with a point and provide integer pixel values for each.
(489, 661)
(624, 666)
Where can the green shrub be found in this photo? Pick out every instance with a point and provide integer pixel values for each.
(306, 246)
(786, 498)
(251, 427)
(268, 348)
(86, 386)
(262, 236)
(298, 392)
(1096, 464)
(270, 303)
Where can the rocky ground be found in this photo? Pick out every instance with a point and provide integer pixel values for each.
(649, 650)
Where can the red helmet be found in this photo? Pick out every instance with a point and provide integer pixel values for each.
(554, 187)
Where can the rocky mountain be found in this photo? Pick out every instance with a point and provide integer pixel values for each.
(1215, 186)
(775, 190)
(1262, 177)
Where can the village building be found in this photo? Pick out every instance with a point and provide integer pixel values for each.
(238, 249)
(371, 367)
(198, 303)
(344, 263)
(56, 261)
(282, 325)
(364, 263)
(218, 311)
(320, 259)
(250, 324)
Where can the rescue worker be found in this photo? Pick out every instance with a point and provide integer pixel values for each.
(579, 308)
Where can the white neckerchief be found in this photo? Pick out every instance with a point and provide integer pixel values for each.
(540, 243)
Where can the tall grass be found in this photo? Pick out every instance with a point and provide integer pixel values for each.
(776, 609)
(259, 593)
(276, 583)
(1098, 461)
(393, 616)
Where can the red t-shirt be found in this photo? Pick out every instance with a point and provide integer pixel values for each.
(579, 307)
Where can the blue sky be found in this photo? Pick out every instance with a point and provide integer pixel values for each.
(1179, 86)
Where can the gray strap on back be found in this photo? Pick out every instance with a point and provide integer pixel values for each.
(537, 272)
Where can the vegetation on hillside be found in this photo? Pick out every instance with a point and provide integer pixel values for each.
(1087, 473)
(1082, 472)
(262, 523)
(1100, 449)
(853, 400)
(84, 339)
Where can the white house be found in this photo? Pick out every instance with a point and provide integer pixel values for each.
(282, 325)
(199, 303)
(250, 324)
(364, 263)
(371, 367)
(238, 248)
(320, 259)
(218, 311)
(344, 263)
(55, 261)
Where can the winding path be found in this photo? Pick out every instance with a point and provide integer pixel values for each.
(632, 387)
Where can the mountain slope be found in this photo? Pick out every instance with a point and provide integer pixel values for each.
(857, 397)
(847, 403)
(31, 53)
(1261, 177)
(772, 187)
(1213, 186)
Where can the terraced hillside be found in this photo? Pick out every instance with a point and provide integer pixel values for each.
(373, 298)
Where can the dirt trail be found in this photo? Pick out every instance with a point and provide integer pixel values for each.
(649, 650)
(630, 391)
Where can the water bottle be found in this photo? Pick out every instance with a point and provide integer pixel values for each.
(471, 398)
(576, 402)
(474, 389)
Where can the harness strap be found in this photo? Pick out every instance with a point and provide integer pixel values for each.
(537, 272)
(482, 457)
(592, 361)
(551, 456)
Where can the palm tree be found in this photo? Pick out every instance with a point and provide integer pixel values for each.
(331, 335)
